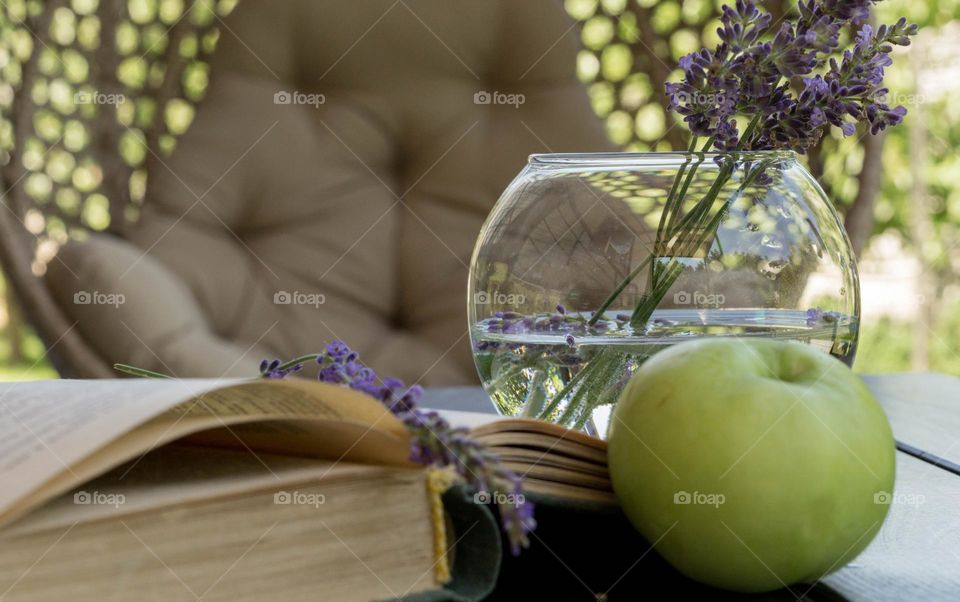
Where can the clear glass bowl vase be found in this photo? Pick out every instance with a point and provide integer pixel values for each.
(590, 263)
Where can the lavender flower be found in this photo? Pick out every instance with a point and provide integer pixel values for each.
(814, 315)
(817, 316)
(855, 11)
(273, 369)
(742, 25)
(434, 442)
(561, 322)
(753, 71)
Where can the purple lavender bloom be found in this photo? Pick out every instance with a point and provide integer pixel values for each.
(750, 73)
(274, 369)
(514, 328)
(727, 135)
(855, 11)
(433, 441)
(742, 25)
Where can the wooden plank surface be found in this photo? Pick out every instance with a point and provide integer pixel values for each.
(916, 555)
(924, 411)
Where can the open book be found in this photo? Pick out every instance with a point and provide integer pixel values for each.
(233, 489)
(553, 461)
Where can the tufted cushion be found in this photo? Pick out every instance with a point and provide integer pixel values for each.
(369, 202)
(133, 298)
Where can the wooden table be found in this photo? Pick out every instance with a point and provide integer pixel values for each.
(916, 555)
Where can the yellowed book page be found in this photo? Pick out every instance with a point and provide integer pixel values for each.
(502, 442)
(557, 460)
(58, 434)
(543, 472)
(47, 427)
(481, 424)
(179, 475)
(319, 541)
(540, 427)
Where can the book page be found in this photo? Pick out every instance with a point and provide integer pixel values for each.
(484, 424)
(541, 428)
(179, 475)
(46, 427)
(57, 434)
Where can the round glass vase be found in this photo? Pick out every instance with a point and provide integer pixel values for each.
(590, 263)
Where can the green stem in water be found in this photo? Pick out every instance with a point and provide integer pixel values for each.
(675, 187)
(670, 211)
(649, 302)
(667, 213)
(616, 292)
(668, 273)
(673, 269)
(598, 372)
(612, 372)
(537, 396)
(683, 191)
(570, 386)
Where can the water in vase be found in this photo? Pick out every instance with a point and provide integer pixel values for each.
(537, 366)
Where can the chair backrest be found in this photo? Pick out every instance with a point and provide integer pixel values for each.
(82, 121)
(352, 152)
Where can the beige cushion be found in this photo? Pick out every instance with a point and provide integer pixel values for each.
(370, 202)
(136, 311)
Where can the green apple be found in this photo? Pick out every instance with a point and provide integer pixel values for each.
(751, 464)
